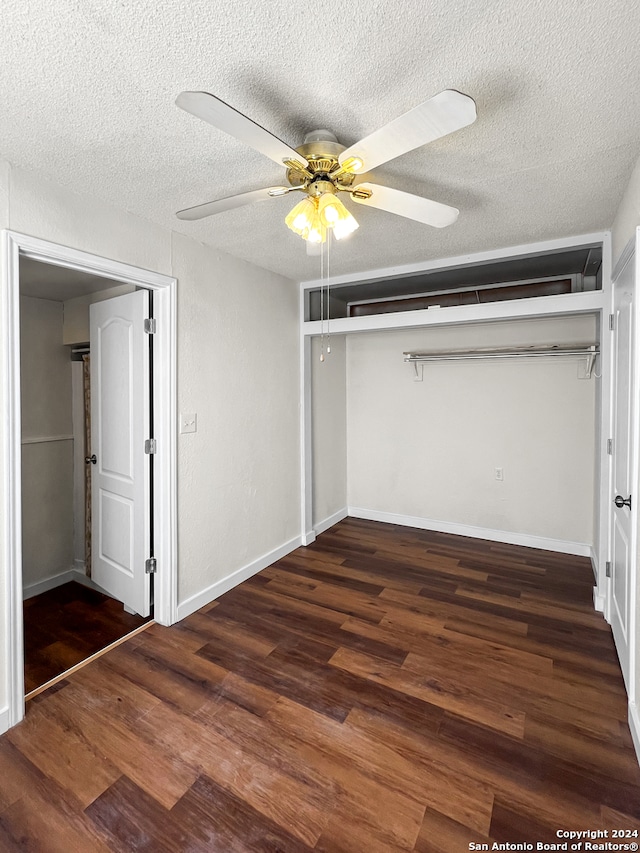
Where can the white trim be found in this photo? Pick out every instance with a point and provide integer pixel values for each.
(588, 302)
(45, 439)
(15, 245)
(604, 431)
(207, 595)
(634, 725)
(4, 719)
(598, 601)
(633, 635)
(528, 540)
(522, 251)
(594, 561)
(330, 520)
(79, 465)
(10, 335)
(306, 446)
(37, 588)
(75, 574)
(625, 256)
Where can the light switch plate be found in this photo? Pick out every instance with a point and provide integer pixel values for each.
(189, 422)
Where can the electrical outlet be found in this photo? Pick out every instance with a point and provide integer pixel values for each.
(499, 474)
(188, 423)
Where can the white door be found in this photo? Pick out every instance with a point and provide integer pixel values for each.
(623, 527)
(120, 490)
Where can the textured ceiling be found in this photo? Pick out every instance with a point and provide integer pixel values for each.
(89, 90)
(47, 281)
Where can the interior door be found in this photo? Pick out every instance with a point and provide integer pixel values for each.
(120, 411)
(623, 501)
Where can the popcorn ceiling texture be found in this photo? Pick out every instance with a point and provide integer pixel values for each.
(89, 88)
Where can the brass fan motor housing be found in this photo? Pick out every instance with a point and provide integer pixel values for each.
(322, 156)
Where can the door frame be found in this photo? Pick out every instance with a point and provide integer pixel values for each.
(14, 246)
(630, 255)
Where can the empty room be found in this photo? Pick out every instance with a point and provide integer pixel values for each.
(320, 427)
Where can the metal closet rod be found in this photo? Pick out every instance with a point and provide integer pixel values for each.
(588, 350)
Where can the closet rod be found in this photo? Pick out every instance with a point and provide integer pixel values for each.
(589, 351)
(530, 352)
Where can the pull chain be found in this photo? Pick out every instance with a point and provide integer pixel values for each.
(321, 303)
(328, 286)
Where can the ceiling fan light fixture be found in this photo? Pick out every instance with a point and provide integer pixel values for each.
(311, 218)
(329, 209)
(346, 226)
(301, 217)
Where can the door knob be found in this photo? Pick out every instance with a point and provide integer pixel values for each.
(91, 459)
(619, 501)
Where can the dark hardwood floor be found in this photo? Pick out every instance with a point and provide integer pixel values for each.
(66, 625)
(385, 689)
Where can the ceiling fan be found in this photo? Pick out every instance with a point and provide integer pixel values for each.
(321, 167)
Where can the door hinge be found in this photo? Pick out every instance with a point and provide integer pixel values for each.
(150, 566)
(607, 569)
(150, 445)
(150, 325)
(610, 446)
(612, 322)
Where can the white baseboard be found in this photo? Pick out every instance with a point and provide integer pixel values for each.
(598, 600)
(75, 574)
(4, 719)
(634, 725)
(594, 561)
(48, 583)
(330, 520)
(195, 602)
(308, 537)
(506, 536)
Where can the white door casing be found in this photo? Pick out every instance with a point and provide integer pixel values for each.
(13, 246)
(120, 491)
(625, 448)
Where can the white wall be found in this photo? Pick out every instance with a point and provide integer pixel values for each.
(75, 329)
(239, 478)
(47, 466)
(429, 449)
(628, 215)
(329, 429)
(238, 357)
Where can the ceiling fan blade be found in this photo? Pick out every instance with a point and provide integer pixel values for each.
(437, 117)
(221, 115)
(405, 204)
(222, 204)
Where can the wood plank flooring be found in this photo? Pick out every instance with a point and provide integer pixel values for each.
(66, 625)
(384, 689)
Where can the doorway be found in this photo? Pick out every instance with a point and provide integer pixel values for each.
(21, 248)
(70, 612)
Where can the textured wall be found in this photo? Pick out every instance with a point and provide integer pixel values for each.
(238, 476)
(47, 466)
(329, 429)
(239, 480)
(430, 448)
(628, 215)
(75, 328)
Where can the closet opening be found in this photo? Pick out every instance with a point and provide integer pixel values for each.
(68, 613)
